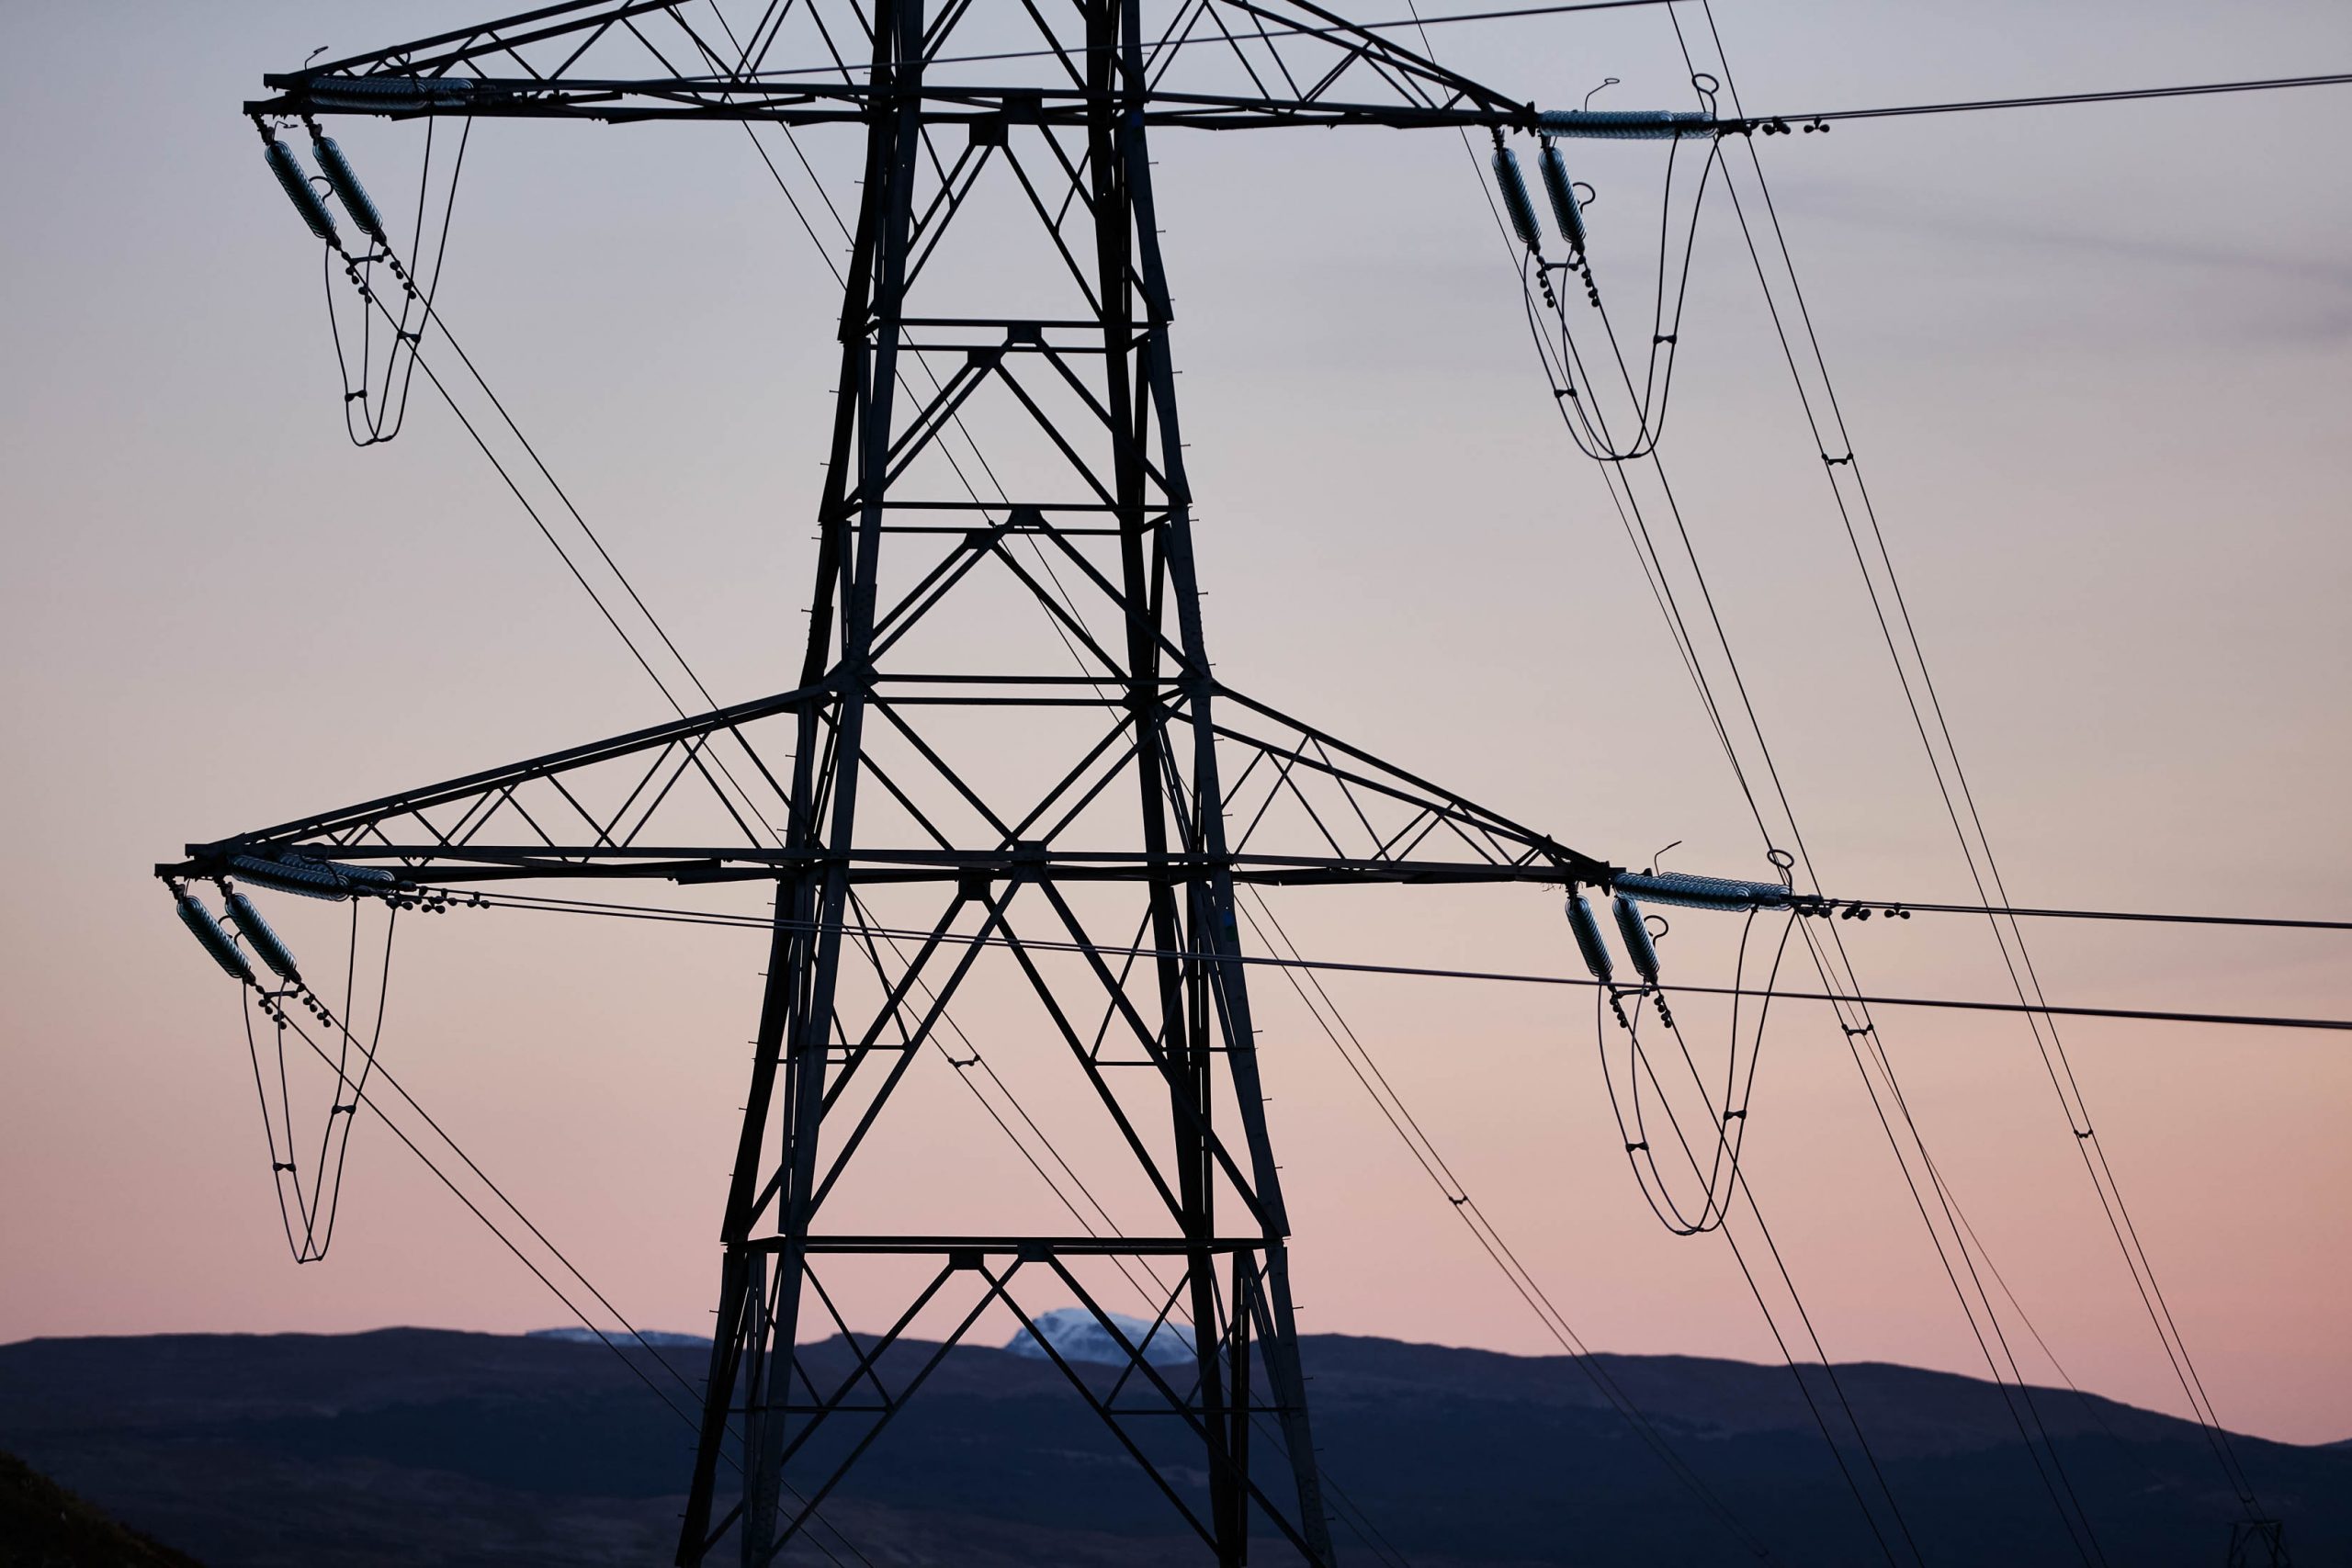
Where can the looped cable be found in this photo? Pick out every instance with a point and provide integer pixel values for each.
(1716, 1168)
(382, 415)
(1565, 360)
(312, 1205)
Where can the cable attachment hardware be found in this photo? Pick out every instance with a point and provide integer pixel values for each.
(299, 189)
(1566, 210)
(345, 183)
(215, 941)
(1591, 945)
(1517, 205)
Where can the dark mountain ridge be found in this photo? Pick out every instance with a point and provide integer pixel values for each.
(465, 1448)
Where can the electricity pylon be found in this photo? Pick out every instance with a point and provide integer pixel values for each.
(1097, 785)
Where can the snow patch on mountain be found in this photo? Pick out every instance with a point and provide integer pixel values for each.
(1077, 1335)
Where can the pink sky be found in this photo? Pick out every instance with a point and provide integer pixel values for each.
(2097, 358)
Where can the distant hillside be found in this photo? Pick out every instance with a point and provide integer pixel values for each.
(44, 1525)
(470, 1449)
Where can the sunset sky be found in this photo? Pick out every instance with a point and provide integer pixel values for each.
(2099, 360)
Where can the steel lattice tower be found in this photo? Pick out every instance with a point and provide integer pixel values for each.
(1075, 813)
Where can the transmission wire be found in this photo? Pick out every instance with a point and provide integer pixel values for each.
(1655, 571)
(2077, 1114)
(1407, 24)
(656, 913)
(1400, 1118)
(433, 318)
(1631, 515)
(553, 1289)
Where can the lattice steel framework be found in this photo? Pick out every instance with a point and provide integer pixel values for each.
(1099, 785)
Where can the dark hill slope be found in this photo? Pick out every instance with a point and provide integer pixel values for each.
(456, 1449)
(44, 1525)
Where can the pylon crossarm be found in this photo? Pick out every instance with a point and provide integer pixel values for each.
(585, 812)
(462, 808)
(980, 108)
(1368, 813)
(631, 60)
(407, 868)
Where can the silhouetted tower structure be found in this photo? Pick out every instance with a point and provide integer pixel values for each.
(1069, 811)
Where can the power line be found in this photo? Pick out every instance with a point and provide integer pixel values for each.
(2047, 100)
(361, 1096)
(1840, 977)
(433, 318)
(1963, 106)
(2272, 922)
(1853, 1017)
(326, 1192)
(2053, 1050)
(1408, 1127)
(1627, 505)
(761, 922)
(1738, 1178)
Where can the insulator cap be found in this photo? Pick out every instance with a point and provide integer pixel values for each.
(379, 95)
(1635, 933)
(261, 939)
(1586, 927)
(298, 190)
(1622, 125)
(212, 939)
(347, 188)
(1702, 892)
(1568, 212)
(311, 878)
(1513, 185)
